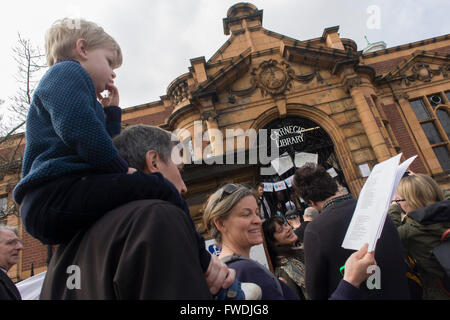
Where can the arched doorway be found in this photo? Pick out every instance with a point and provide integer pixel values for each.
(302, 140)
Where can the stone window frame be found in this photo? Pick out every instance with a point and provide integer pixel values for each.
(431, 118)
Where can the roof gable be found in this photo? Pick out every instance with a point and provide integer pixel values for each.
(422, 66)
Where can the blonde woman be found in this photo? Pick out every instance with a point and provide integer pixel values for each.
(231, 215)
(427, 218)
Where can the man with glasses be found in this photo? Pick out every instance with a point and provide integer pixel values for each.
(10, 246)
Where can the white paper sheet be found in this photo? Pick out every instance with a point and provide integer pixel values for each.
(332, 172)
(373, 203)
(365, 170)
(289, 181)
(302, 158)
(268, 187)
(278, 186)
(30, 289)
(282, 164)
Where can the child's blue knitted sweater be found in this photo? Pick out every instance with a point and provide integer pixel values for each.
(67, 131)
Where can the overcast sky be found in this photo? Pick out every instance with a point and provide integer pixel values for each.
(159, 37)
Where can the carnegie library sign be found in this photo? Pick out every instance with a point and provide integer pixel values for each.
(287, 135)
(295, 134)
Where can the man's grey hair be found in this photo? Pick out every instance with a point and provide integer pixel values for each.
(311, 212)
(4, 227)
(134, 142)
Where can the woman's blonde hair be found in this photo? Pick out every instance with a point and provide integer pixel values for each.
(219, 205)
(61, 38)
(419, 191)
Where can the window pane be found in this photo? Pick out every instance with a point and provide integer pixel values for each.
(420, 110)
(444, 119)
(447, 93)
(431, 132)
(443, 157)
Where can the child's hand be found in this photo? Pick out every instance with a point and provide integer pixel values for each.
(219, 276)
(112, 99)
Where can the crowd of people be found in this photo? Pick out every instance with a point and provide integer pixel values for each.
(113, 203)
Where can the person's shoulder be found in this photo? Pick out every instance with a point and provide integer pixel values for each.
(151, 213)
(337, 211)
(331, 221)
(156, 207)
(248, 265)
(64, 72)
(67, 66)
(249, 270)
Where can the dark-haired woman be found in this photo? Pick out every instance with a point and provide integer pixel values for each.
(286, 254)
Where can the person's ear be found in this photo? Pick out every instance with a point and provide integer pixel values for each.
(219, 225)
(151, 161)
(81, 48)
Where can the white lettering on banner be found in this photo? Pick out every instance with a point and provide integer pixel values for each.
(289, 141)
(277, 133)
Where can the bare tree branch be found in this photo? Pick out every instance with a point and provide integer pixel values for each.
(30, 62)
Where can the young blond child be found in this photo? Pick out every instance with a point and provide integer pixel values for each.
(72, 173)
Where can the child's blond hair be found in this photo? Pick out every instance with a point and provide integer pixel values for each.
(62, 36)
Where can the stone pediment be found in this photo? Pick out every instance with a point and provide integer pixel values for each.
(186, 87)
(226, 75)
(421, 66)
(272, 77)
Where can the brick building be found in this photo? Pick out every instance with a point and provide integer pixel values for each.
(352, 108)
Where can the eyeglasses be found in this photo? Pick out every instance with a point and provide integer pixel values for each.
(399, 200)
(227, 190)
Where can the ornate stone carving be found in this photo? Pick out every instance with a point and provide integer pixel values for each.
(445, 70)
(273, 78)
(179, 92)
(209, 116)
(398, 95)
(352, 83)
(423, 72)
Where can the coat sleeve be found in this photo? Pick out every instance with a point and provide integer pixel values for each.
(316, 276)
(113, 117)
(395, 212)
(403, 233)
(345, 291)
